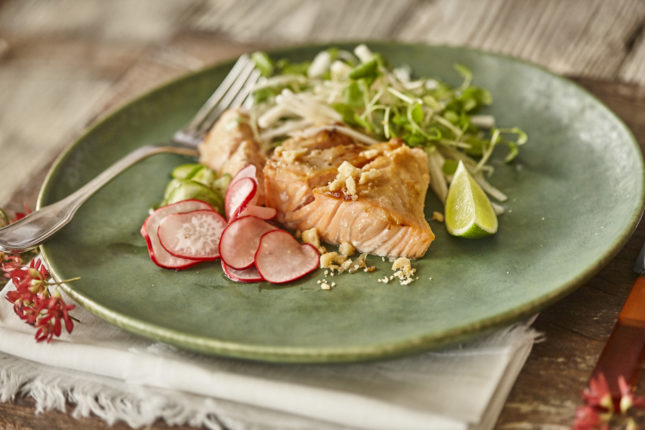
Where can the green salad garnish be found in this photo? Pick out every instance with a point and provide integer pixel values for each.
(360, 94)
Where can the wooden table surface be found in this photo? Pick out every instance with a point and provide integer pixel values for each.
(66, 63)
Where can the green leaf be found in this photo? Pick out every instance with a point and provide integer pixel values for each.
(381, 60)
(333, 53)
(465, 73)
(475, 97)
(417, 113)
(285, 67)
(449, 166)
(431, 102)
(414, 139)
(264, 94)
(347, 112)
(513, 150)
(476, 148)
(451, 116)
(263, 63)
(399, 119)
(367, 70)
(434, 133)
(521, 135)
(363, 123)
(353, 95)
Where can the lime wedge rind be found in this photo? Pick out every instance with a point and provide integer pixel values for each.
(468, 212)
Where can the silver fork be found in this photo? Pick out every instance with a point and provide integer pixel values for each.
(40, 225)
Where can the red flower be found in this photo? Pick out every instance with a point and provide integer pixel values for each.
(597, 394)
(627, 398)
(32, 299)
(9, 263)
(586, 418)
(599, 412)
(21, 215)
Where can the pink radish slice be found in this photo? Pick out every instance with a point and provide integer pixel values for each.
(261, 212)
(192, 235)
(158, 254)
(239, 194)
(162, 258)
(248, 171)
(247, 275)
(281, 258)
(240, 241)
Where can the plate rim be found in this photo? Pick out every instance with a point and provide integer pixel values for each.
(317, 354)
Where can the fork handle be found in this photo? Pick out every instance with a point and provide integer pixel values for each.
(41, 224)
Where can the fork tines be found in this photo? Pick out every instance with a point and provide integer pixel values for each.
(232, 92)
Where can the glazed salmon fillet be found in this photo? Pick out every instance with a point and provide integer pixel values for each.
(372, 196)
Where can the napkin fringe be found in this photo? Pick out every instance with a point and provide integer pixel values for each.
(137, 407)
(112, 400)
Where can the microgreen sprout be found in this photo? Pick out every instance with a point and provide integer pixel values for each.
(379, 103)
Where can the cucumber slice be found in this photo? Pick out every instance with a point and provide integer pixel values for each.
(174, 183)
(220, 185)
(186, 171)
(204, 176)
(188, 189)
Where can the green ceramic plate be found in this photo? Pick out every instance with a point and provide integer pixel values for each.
(576, 194)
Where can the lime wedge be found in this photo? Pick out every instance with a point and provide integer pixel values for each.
(468, 211)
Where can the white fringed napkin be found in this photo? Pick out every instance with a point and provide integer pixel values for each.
(114, 375)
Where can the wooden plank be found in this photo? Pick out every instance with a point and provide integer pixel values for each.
(47, 107)
(583, 37)
(295, 21)
(116, 20)
(59, 61)
(580, 36)
(633, 68)
(184, 54)
(20, 415)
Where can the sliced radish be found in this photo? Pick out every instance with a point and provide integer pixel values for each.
(193, 235)
(248, 171)
(239, 194)
(158, 254)
(246, 275)
(261, 212)
(240, 241)
(281, 258)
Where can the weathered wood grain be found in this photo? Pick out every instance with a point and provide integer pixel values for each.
(58, 63)
(591, 38)
(47, 106)
(633, 68)
(584, 37)
(20, 415)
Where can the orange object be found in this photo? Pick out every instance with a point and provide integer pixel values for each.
(625, 349)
